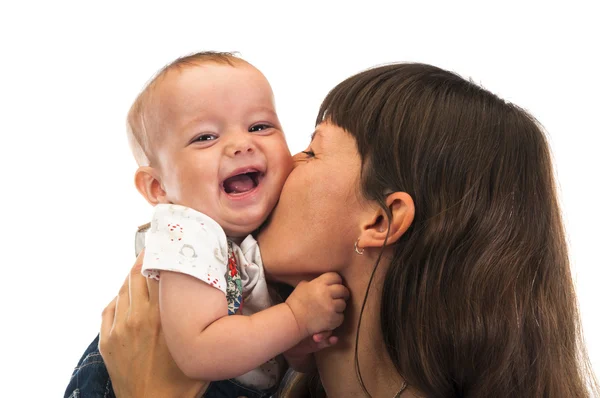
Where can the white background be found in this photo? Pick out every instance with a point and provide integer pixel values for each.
(68, 74)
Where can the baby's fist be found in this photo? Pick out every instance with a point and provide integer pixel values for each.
(319, 305)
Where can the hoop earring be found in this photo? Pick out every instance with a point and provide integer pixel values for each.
(357, 250)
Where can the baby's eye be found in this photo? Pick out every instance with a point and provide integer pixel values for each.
(258, 127)
(309, 153)
(205, 137)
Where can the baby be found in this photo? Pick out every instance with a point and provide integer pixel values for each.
(213, 161)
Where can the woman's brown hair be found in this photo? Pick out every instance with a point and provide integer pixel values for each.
(478, 300)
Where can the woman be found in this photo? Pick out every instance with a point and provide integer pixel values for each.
(435, 201)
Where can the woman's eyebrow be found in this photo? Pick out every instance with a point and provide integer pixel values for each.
(313, 135)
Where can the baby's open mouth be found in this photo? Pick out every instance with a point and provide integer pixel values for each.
(242, 183)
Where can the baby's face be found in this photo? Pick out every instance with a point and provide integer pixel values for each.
(219, 147)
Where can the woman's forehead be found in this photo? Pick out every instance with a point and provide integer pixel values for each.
(325, 131)
(328, 134)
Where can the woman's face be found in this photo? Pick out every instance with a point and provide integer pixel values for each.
(315, 224)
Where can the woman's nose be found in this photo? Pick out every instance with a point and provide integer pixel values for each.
(297, 159)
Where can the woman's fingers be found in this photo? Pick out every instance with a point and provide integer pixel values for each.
(131, 290)
(108, 320)
(152, 291)
(108, 316)
(122, 301)
(151, 285)
(138, 289)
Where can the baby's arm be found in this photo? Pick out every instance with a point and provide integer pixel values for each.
(208, 344)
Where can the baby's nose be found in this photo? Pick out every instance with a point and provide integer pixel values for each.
(241, 145)
(243, 149)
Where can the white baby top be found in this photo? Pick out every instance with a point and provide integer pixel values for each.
(184, 240)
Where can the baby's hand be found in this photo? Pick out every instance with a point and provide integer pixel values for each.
(312, 344)
(319, 305)
(300, 356)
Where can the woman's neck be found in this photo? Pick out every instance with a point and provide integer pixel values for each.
(337, 364)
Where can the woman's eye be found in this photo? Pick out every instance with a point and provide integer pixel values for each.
(258, 127)
(205, 137)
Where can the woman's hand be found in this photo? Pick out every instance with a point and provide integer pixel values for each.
(133, 346)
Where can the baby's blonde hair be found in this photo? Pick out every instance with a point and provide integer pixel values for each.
(139, 139)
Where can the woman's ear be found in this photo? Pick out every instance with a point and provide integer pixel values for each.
(375, 228)
(149, 185)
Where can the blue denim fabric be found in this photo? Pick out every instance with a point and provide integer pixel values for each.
(232, 389)
(90, 377)
(90, 380)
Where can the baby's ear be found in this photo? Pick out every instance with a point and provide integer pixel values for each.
(147, 182)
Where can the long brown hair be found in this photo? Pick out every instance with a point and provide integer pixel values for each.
(478, 300)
